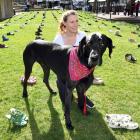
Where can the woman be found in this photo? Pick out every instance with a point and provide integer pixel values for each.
(69, 35)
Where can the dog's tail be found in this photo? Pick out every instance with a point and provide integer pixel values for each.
(28, 54)
(28, 59)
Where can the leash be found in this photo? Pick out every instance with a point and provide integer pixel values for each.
(85, 108)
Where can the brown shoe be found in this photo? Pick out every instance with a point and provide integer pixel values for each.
(98, 81)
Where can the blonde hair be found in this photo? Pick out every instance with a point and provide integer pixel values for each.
(64, 19)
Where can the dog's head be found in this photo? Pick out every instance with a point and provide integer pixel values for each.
(90, 51)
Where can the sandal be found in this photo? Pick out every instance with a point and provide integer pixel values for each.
(117, 117)
(31, 81)
(17, 117)
(130, 58)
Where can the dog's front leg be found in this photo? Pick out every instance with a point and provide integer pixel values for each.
(81, 88)
(68, 94)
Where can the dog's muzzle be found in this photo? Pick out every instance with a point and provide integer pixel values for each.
(93, 58)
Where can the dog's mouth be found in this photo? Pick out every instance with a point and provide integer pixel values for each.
(92, 62)
(93, 58)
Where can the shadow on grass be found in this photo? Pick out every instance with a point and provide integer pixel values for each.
(91, 127)
(55, 128)
(14, 128)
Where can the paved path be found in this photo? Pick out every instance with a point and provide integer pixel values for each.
(120, 17)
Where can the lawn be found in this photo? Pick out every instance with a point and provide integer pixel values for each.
(121, 93)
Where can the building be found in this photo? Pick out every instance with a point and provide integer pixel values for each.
(105, 5)
(52, 3)
(19, 1)
(6, 9)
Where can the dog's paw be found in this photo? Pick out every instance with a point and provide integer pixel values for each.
(69, 126)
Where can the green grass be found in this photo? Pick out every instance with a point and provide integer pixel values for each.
(121, 93)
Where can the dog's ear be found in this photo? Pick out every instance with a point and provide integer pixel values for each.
(108, 43)
(82, 44)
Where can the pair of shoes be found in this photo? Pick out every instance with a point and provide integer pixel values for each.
(17, 117)
(31, 81)
(118, 117)
(89, 103)
(125, 125)
(4, 38)
(3, 46)
(120, 121)
(10, 33)
(98, 81)
(130, 58)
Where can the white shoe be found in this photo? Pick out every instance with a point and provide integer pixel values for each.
(98, 81)
(118, 117)
(126, 125)
(121, 121)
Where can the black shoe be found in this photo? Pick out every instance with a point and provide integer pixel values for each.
(130, 58)
(5, 38)
(89, 103)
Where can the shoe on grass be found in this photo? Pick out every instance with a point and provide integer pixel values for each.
(121, 121)
(31, 81)
(4, 38)
(10, 33)
(125, 125)
(17, 117)
(98, 81)
(130, 58)
(89, 103)
(3, 46)
(118, 117)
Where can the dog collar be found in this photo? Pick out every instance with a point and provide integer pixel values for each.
(77, 70)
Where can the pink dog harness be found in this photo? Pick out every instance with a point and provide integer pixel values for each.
(77, 70)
